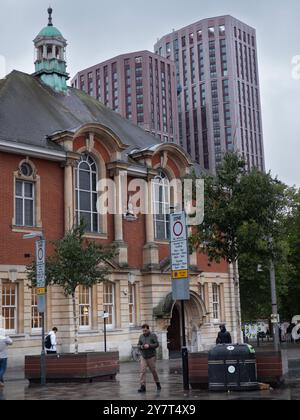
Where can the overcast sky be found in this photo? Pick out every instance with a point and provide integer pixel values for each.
(97, 30)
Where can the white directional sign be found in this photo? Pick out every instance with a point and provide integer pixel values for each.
(104, 315)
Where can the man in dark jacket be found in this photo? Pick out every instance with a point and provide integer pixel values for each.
(148, 343)
(223, 337)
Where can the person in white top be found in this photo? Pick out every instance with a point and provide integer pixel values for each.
(4, 342)
(51, 348)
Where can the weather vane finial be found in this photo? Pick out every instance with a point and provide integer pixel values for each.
(50, 10)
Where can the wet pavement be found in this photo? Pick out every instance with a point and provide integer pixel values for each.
(126, 385)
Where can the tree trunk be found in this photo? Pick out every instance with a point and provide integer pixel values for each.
(75, 323)
(237, 301)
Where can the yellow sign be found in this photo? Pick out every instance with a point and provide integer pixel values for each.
(41, 291)
(180, 274)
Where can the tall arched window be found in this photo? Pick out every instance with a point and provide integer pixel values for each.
(162, 202)
(86, 193)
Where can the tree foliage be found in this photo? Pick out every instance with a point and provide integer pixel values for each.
(245, 222)
(241, 210)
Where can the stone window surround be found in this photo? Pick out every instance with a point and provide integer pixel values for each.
(163, 167)
(19, 327)
(132, 304)
(101, 174)
(36, 180)
(206, 283)
(88, 304)
(115, 304)
(34, 330)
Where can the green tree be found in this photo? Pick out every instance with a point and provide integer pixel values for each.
(242, 210)
(290, 297)
(254, 274)
(75, 262)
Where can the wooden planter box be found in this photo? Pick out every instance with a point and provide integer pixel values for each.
(270, 368)
(82, 367)
(198, 369)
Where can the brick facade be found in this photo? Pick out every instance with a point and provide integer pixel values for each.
(152, 285)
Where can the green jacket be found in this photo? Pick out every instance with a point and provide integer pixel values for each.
(152, 340)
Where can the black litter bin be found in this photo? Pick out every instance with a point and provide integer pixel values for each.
(232, 368)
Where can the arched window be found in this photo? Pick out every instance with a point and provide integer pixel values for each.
(162, 202)
(86, 193)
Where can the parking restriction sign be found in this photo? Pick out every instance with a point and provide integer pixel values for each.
(40, 274)
(179, 257)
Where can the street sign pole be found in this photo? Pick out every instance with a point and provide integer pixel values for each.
(43, 353)
(275, 317)
(180, 279)
(104, 315)
(105, 345)
(185, 353)
(41, 297)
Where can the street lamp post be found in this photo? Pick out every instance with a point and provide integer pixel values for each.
(275, 315)
(274, 307)
(40, 253)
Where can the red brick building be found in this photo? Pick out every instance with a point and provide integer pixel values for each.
(56, 143)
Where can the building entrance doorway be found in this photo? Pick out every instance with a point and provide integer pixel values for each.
(174, 336)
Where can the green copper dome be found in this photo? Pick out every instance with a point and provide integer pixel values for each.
(50, 31)
(50, 63)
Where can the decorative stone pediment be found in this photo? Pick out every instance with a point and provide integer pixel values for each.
(164, 308)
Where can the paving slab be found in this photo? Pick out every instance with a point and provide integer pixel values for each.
(126, 385)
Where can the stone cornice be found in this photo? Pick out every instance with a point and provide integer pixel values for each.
(61, 137)
(32, 151)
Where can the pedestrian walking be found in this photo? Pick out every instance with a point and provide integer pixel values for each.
(4, 343)
(224, 336)
(51, 342)
(148, 343)
(289, 333)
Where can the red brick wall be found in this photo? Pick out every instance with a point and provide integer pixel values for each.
(170, 164)
(80, 142)
(135, 236)
(173, 166)
(211, 267)
(12, 245)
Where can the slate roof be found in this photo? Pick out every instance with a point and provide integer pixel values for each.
(30, 111)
